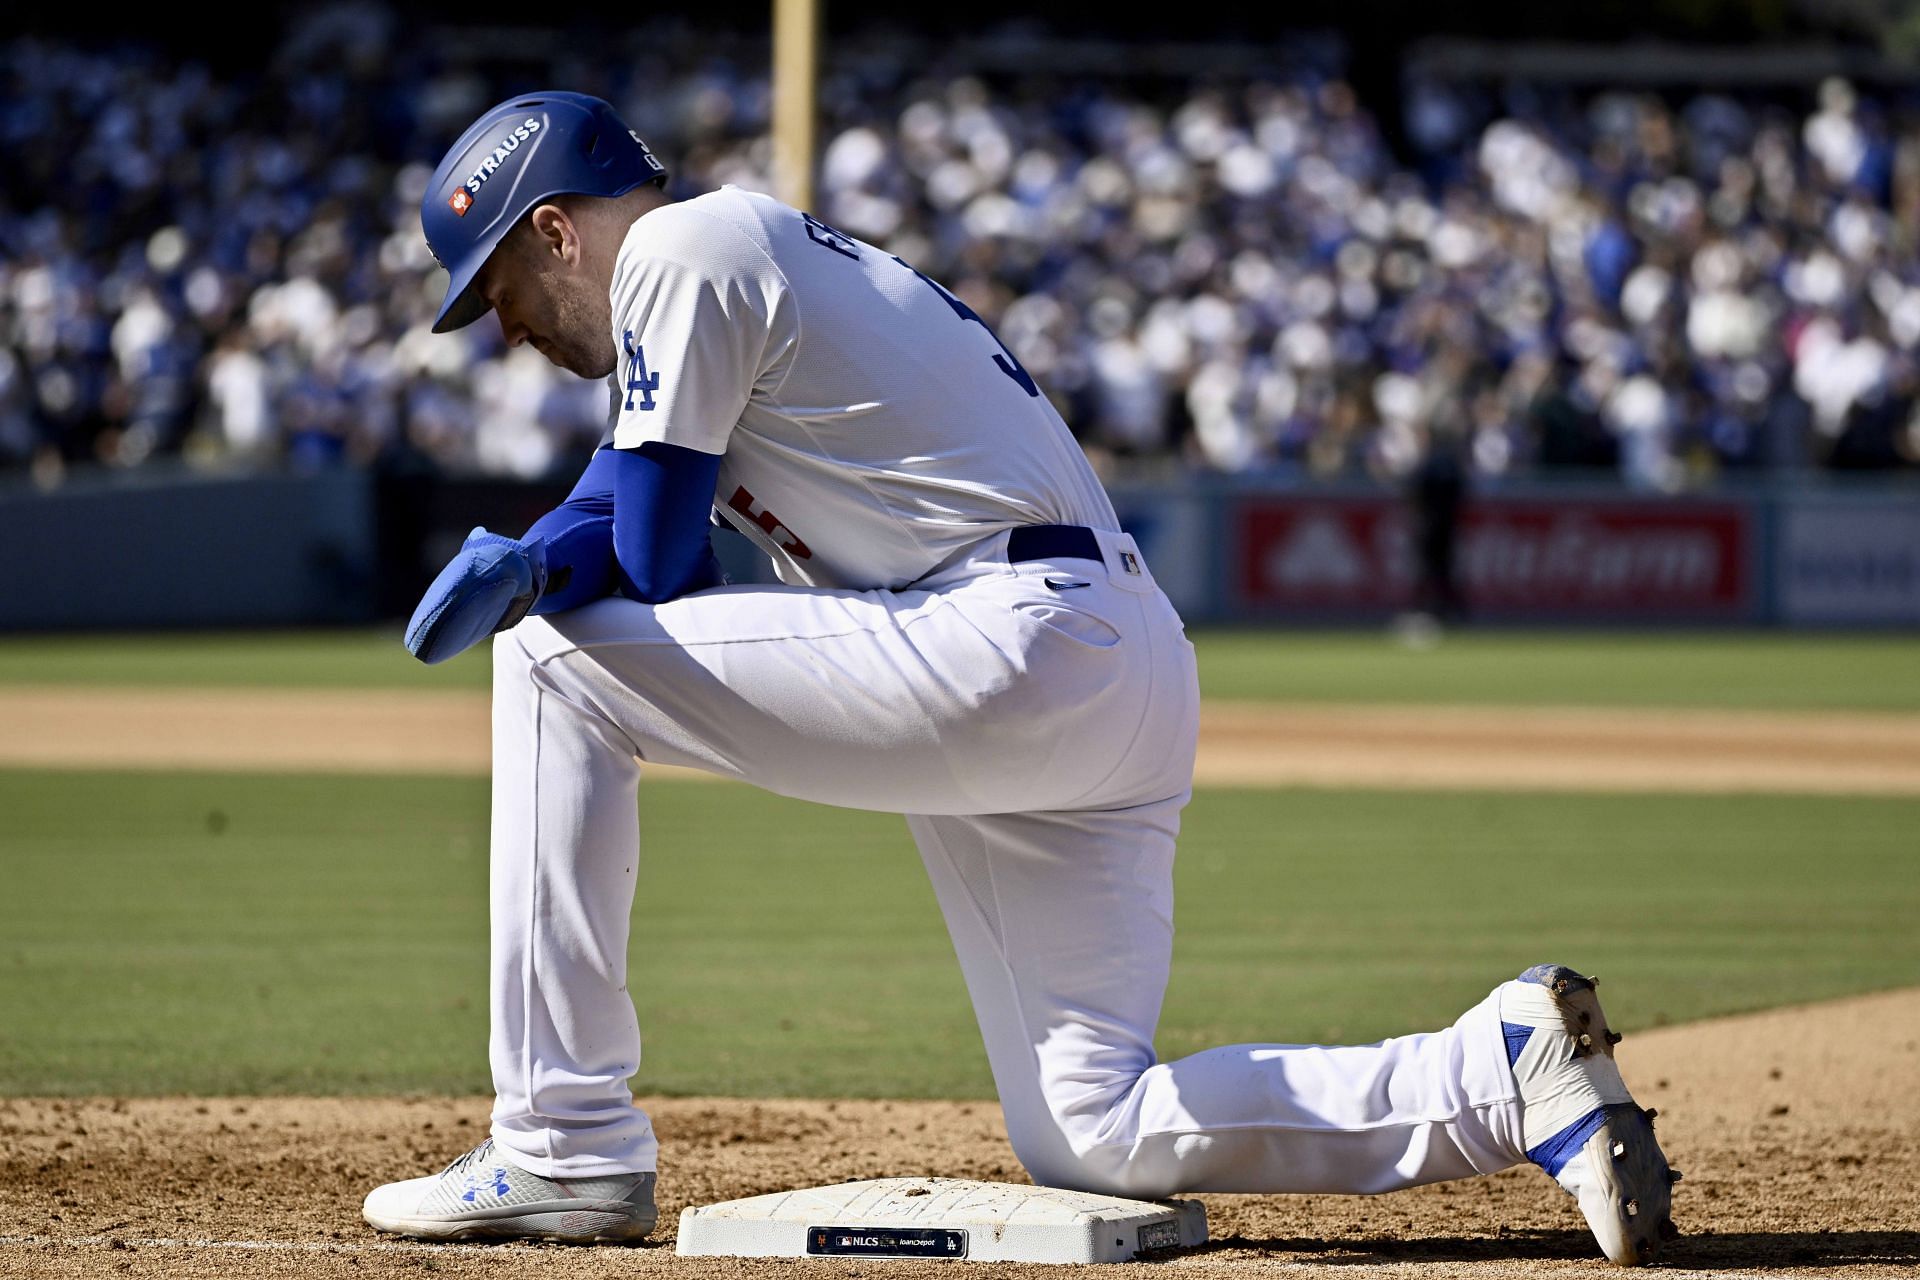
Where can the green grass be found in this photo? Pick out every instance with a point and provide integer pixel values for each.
(236, 934)
(1778, 670)
(1700, 669)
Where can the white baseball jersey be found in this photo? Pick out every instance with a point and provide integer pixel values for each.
(871, 425)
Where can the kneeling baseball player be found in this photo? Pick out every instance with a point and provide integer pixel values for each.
(961, 634)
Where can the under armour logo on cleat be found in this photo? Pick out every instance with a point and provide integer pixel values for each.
(499, 1188)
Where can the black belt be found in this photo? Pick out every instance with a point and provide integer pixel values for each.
(1052, 542)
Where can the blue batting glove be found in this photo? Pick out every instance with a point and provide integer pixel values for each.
(485, 588)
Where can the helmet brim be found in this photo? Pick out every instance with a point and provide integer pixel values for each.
(463, 303)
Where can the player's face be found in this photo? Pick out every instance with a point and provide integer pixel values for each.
(544, 301)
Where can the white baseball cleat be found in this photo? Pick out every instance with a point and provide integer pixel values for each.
(484, 1195)
(1579, 1121)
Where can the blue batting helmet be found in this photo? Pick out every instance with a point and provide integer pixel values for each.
(527, 149)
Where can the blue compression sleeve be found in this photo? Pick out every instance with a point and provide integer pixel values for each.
(663, 494)
(579, 537)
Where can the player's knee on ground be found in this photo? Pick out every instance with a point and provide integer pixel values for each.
(1104, 1170)
(1078, 1153)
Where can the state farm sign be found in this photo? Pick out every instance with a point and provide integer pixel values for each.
(1581, 557)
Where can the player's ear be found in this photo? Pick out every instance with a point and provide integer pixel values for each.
(555, 233)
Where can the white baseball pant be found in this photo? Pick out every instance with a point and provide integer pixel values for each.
(1041, 742)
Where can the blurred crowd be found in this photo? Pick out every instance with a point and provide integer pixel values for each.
(1236, 276)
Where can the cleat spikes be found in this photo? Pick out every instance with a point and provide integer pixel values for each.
(1667, 1230)
(1673, 1176)
(1623, 1184)
(1614, 1037)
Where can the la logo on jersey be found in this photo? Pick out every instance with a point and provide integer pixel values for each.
(638, 379)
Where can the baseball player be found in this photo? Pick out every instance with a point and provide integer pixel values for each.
(962, 633)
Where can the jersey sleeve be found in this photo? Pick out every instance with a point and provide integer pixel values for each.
(702, 319)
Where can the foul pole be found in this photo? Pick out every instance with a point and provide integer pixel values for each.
(796, 68)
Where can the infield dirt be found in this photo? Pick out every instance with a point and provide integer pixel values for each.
(1798, 1129)
(1241, 744)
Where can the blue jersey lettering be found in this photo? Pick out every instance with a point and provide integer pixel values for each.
(825, 236)
(1005, 360)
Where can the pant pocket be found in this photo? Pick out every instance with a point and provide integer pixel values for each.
(1077, 625)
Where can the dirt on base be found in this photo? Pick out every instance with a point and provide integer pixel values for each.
(1241, 744)
(1798, 1129)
